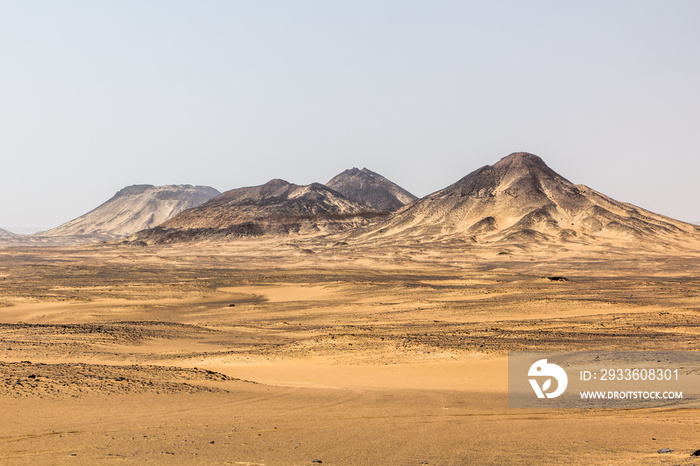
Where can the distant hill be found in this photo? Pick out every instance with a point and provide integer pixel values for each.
(6, 234)
(371, 189)
(132, 209)
(521, 200)
(276, 207)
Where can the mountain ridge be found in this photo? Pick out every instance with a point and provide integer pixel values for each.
(276, 207)
(521, 199)
(131, 209)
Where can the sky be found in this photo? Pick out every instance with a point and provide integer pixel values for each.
(95, 96)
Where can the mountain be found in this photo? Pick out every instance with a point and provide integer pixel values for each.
(521, 200)
(371, 189)
(6, 234)
(276, 207)
(132, 209)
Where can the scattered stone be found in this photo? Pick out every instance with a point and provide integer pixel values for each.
(317, 461)
(556, 278)
(57, 380)
(664, 450)
(695, 453)
(231, 305)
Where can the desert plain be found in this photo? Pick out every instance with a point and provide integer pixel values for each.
(314, 351)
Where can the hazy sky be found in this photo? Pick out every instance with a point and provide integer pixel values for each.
(95, 96)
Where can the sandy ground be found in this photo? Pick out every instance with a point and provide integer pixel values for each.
(261, 352)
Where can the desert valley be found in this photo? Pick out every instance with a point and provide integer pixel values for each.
(340, 323)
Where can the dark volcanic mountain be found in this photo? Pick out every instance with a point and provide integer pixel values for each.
(132, 209)
(277, 207)
(521, 200)
(371, 189)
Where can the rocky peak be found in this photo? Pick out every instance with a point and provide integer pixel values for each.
(521, 199)
(371, 189)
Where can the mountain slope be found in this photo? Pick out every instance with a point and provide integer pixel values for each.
(521, 200)
(277, 207)
(371, 189)
(132, 209)
(6, 234)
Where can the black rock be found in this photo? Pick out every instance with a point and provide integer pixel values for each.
(664, 450)
(317, 461)
(275, 208)
(695, 453)
(371, 189)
